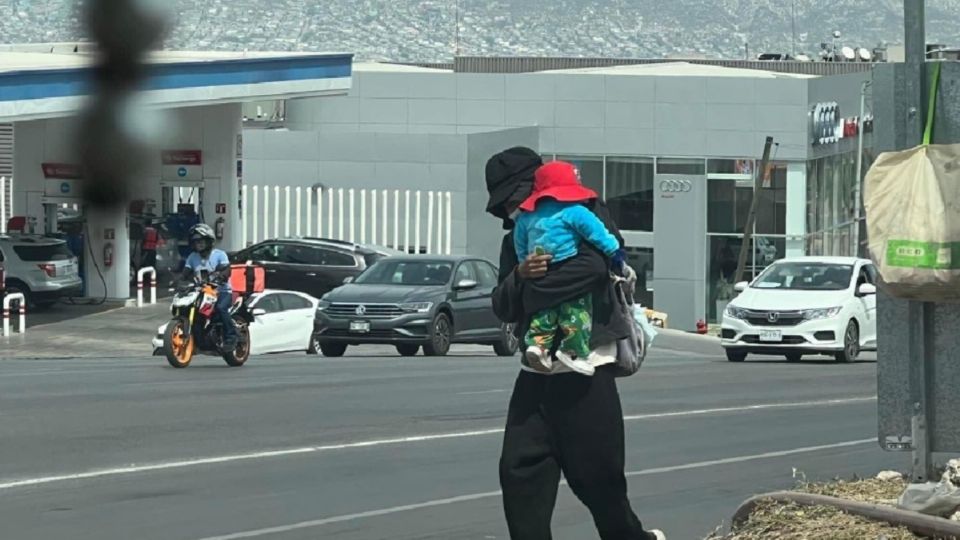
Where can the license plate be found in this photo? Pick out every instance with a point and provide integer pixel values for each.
(771, 335)
(360, 327)
(70, 270)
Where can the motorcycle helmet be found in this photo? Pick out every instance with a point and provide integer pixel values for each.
(202, 238)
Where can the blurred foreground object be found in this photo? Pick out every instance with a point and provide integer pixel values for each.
(113, 139)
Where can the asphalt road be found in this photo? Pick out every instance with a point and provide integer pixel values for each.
(378, 447)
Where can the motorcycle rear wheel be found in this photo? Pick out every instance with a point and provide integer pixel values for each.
(178, 350)
(239, 356)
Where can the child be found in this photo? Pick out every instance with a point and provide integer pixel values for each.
(553, 221)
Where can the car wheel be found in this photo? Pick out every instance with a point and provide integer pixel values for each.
(794, 357)
(314, 347)
(441, 333)
(509, 343)
(736, 356)
(408, 350)
(851, 344)
(333, 350)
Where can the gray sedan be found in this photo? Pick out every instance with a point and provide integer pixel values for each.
(412, 302)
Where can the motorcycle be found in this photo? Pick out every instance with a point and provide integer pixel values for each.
(193, 330)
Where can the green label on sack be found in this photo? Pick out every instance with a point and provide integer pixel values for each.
(928, 255)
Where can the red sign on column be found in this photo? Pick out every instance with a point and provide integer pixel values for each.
(182, 157)
(62, 171)
(221, 208)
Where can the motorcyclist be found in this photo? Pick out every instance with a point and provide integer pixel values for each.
(213, 264)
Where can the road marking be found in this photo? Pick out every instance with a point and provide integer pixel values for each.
(747, 408)
(135, 469)
(482, 392)
(490, 494)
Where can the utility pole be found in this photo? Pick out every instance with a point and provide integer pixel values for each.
(752, 216)
(920, 315)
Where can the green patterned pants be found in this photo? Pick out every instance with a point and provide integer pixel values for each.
(575, 318)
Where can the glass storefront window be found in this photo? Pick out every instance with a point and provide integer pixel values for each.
(826, 199)
(743, 167)
(630, 192)
(722, 266)
(641, 260)
(722, 257)
(767, 250)
(680, 166)
(728, 203)
(772, 208)
(813, 196)
(591, 171)
(729, 194)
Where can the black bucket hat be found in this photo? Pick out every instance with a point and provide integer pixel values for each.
(510, 180)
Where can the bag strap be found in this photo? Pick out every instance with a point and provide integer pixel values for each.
(932, 105)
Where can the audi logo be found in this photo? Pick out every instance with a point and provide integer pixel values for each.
(676, 186)
(361, 310)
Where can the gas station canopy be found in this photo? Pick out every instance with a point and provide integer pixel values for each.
(43, 85)
(53, 83)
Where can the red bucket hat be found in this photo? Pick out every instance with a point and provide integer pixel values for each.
(557, 180)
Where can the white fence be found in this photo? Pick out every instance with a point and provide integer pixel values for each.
(6, 192)
(410, 221)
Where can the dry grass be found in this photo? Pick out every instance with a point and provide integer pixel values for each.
(774, 521)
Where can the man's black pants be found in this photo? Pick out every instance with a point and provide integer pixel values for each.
(573, 424)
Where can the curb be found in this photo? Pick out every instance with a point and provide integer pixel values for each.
(681, 333)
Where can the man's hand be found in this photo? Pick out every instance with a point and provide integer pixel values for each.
(535, 266)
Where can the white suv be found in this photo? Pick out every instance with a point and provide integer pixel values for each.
(41, 268)
(804, 305)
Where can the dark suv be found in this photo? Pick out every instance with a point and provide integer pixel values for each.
(315, 266)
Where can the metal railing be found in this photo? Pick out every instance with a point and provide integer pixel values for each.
(7, 301)
(410, 221)
(5, 192)
(141, 274)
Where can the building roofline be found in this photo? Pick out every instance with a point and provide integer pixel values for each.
(531, 64)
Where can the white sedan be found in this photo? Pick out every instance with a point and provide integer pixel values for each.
(804, 305)
(283, 322)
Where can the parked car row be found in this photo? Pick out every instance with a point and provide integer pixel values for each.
(325, 296)
(804, 306)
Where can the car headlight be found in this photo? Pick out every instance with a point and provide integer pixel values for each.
(736, 312)
(323, 305)
(825, 313)
(416, 307)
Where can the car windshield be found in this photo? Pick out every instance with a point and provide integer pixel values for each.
(393, 272)
(805, 277)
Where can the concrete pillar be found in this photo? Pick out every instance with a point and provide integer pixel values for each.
(796, 209)
(117, 276)
(221, 126)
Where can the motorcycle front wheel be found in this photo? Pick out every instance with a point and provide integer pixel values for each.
(176, 346)
(239, 356)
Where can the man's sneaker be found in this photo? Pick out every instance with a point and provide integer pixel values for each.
(578, 366)
(658, 534)
(538, 359)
